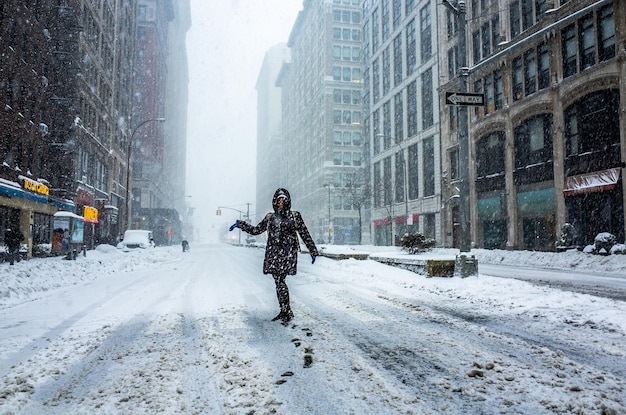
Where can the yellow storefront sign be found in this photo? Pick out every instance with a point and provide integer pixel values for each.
(36, 187)
(90, 214)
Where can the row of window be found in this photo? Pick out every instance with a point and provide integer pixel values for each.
(347, 53)
(390, 186)
(398, 115)
(346, 117)
(347, 138)
(346, 34)
(583, 45)
(589, 134)
(346, 74)
(347, 96)
(347, 158)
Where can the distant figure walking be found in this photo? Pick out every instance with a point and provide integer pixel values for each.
(281, 253)
(185, 246)
(13, 239)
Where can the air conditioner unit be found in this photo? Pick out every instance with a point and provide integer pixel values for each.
(43, 129)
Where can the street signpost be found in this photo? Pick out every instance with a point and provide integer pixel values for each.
(465, 98)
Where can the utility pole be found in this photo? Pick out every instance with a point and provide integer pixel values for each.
(466, 265)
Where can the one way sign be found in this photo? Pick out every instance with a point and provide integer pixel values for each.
(464, 98)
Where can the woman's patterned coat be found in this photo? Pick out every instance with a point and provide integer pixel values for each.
(283, 227)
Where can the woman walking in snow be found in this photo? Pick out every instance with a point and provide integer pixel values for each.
(281, 253)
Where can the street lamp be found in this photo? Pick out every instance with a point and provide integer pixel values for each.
(128, 155)
(329, 218)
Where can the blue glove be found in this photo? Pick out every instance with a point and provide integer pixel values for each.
(233, 226)
(313, 259)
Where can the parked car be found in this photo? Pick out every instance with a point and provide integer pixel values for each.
(136, 238)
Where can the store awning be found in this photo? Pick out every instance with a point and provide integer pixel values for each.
(598, 181)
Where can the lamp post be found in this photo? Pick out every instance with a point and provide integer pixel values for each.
(329, 218)
(129, 151)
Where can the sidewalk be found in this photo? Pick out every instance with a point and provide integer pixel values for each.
(613, 265)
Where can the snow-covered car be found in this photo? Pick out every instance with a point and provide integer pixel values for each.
(136, 238)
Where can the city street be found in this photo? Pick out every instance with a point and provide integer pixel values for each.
(160, 331)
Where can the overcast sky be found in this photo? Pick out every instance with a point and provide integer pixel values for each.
(226, 45)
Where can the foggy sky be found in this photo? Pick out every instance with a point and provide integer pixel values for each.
(226, 45)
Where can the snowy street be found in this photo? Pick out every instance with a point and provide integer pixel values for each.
(161, 331)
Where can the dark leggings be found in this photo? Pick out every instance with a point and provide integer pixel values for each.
(282, 292)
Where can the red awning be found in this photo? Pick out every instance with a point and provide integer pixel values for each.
(598, 181)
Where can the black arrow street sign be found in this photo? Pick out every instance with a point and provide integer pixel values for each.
(464, 98)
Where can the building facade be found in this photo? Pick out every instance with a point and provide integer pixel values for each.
(401, 126)
(548, 148)
(157, 188)
(322, 118)
(269, 129)
(67, 120)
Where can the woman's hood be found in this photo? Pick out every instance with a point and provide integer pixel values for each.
(283, 193)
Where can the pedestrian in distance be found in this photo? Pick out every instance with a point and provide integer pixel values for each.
(185, 245)
(13, 240)
(281, 252)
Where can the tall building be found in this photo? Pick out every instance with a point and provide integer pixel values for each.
(66, 79)
(269, 129)
(401, 123)
(159, 119)
(549, 146)
(67, 76)
(321, 117)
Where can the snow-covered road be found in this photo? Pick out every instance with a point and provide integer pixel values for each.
(166, 332)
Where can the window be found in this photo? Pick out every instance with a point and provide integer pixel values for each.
(427, 99)
(606, 33)
(375, 37)
(376, 124)
(337, 138)
(530, 72)
(498, 95)
(570, 62)
(386, 71)
(337, 158)
(411, 58)
(485, 33)
(412, 108)
(398, 116)
(399, 178)
(377, 185)
(426, 46)
(347, 158)
(586, 39)
(387, 125)
(413, 173)
(385, 19)
(356, 138)
(376, 80)
(397, 13)
(387, 181)
(543, 58)
(397, 60)
(336, 52)
(533, 141)
(515, 19)
(429, 166)
(490, 154)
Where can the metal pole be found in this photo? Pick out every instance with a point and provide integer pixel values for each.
(329, 219)
(465, 237)
(128, 155)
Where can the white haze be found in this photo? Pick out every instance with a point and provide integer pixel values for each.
(226, 45)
